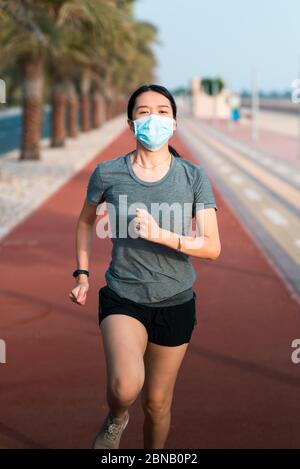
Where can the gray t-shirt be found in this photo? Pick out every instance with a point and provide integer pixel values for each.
(144, 271)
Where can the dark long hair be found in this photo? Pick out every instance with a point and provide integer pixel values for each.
(159, 89)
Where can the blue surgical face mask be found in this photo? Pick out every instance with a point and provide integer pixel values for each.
(153, 131)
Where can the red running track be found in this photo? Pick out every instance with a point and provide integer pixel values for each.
(237, 387)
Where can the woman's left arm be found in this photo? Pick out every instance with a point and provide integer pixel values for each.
(206, 244)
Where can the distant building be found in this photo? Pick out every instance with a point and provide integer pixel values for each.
(209, 107)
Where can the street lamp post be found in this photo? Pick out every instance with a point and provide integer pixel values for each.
(255, 107)
(299, 115)
(215, 91)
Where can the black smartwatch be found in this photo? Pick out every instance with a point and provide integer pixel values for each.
(80, 271)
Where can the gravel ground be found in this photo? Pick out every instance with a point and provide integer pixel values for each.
(24, 185)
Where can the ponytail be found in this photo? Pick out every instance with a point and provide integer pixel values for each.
(174, 152)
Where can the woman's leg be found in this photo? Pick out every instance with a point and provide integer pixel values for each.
(161, 368)
(125, 341)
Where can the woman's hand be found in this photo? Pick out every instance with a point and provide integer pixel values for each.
(146, 226)
(79, 293)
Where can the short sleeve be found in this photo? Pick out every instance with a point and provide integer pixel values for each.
(203, 193)
(95, 189)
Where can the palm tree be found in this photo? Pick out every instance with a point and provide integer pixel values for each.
(88, 28)
(33, 37)
(81, 26)
(22, 42)
(91, 46)
(32, 70)
(25, 43)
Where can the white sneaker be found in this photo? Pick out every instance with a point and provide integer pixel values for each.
(110, 433)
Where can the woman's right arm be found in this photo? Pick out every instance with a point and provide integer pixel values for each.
(83, 245)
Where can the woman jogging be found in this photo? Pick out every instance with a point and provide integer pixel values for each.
(147, 308)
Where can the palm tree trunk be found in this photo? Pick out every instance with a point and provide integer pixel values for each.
(102, 110)
(98, 108)
(72, 109)
(32, 75)
(58, 114)
(85, 112)
(108, 108)
(122, 105)
(85, 103)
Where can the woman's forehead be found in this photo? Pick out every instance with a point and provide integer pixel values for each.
(152, 99)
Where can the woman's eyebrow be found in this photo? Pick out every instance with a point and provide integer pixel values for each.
(145, 105)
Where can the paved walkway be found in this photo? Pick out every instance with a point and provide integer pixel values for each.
(281, 122)
(237, 387)
(280, 144)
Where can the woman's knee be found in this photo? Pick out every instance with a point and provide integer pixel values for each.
(156, 406)
(124, 389)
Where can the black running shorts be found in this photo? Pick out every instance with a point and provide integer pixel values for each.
(166, 325)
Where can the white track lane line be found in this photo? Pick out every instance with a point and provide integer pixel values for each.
(275, 217)
(236, 179)
(281, 169)
(252, 194)
(225, 168)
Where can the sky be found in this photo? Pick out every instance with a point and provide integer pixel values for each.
(234, 39)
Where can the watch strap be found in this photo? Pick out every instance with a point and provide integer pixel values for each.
(80, 271)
